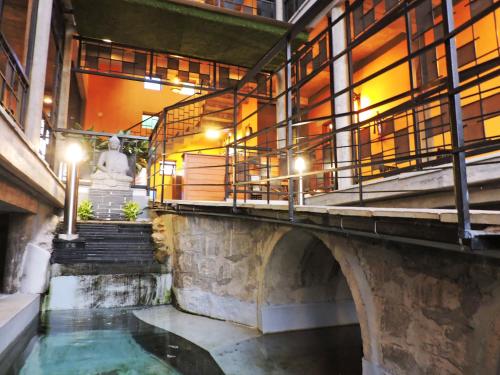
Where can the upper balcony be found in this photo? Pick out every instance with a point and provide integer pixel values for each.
(234, 32)
(263, 8)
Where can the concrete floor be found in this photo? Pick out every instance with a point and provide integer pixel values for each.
(241, 350)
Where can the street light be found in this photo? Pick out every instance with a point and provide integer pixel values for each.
(300, 167)
(74, 155)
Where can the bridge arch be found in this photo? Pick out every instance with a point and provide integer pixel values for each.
(314, 279)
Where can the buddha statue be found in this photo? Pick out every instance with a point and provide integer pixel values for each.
(112, 168)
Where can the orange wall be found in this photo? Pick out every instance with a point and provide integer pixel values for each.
(116, 104)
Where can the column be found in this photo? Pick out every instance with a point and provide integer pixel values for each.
(63, 95)
(34, 107)
(279, 10)
(342, 103)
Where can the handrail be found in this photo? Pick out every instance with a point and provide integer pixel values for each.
(14, 60)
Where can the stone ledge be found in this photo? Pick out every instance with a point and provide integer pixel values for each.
(17, 311)
(443, 215)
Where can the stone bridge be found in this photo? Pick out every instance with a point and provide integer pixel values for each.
(424, 303)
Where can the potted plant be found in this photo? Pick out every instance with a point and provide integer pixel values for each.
(85, 210)
(131, 210)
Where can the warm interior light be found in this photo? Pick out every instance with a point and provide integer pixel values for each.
(105, 40)
(74, 153)
(186, 89)
(300, 164)
(212, 134)
(47, 100)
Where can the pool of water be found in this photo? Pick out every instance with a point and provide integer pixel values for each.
(104, 342)
(116, 342)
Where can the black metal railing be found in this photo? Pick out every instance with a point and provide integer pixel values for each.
(432, 106)
(122, 61)
(13, 83)
(46, 148)
(262, 8)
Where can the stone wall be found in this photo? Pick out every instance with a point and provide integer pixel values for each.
(87, 286)
(34, 232)
(421, 311)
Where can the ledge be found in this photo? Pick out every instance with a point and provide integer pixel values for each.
(19, 159)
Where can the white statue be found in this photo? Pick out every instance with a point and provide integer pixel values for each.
(112, 168)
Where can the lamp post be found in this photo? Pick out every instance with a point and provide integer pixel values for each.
(74, 155)
(300, 166)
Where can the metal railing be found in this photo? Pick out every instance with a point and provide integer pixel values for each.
(13, 83)
(262, 8)
(122, 61)
(432, 108)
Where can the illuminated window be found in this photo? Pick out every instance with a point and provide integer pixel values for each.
(167, 168)
(149, 84)
(149, 121)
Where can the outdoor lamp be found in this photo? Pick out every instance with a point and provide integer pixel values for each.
(74, 155)
(300, 167)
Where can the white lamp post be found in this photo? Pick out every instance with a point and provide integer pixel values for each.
(300, 166)
(74, 155)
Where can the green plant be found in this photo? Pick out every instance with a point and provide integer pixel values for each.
(85, 210)
(131, 210)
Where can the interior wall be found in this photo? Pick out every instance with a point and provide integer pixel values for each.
(304, 287)
(115, 104)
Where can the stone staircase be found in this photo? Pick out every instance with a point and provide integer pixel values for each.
(106, 242)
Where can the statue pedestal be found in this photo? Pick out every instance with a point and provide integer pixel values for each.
(108, 203)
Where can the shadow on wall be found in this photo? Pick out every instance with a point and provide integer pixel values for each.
(304, 287)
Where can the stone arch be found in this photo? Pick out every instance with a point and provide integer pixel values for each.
(342, 264)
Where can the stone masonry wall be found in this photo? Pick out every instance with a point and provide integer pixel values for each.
(27, 229)
(421, 311)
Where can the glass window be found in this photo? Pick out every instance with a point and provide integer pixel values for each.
(149, 84)
(149, 121)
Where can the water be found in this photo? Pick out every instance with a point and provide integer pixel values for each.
(115, 342)
(104, 342)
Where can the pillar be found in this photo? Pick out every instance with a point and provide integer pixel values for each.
(33, 117)
(63, 95)
(343, 140)
(279, 10)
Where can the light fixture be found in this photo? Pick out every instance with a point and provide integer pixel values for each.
(212, 134)
(47, 99)
(105, 40)
(74, 153)
(300, 165)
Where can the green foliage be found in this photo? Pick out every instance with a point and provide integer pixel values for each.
(85, 210)
(131, 210)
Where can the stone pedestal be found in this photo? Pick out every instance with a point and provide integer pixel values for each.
(108, 203)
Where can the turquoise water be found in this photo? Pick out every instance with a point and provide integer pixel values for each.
(92, 352)
(103, 342)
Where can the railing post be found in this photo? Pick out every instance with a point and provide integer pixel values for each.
(268, 183)
(333, 151)
(164, 152)
(416, 127)
(456, 125)
(226, 175)
(235, 146)
(289, 128)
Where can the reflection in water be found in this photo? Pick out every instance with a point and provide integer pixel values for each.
(104, 342)
(92, 352)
